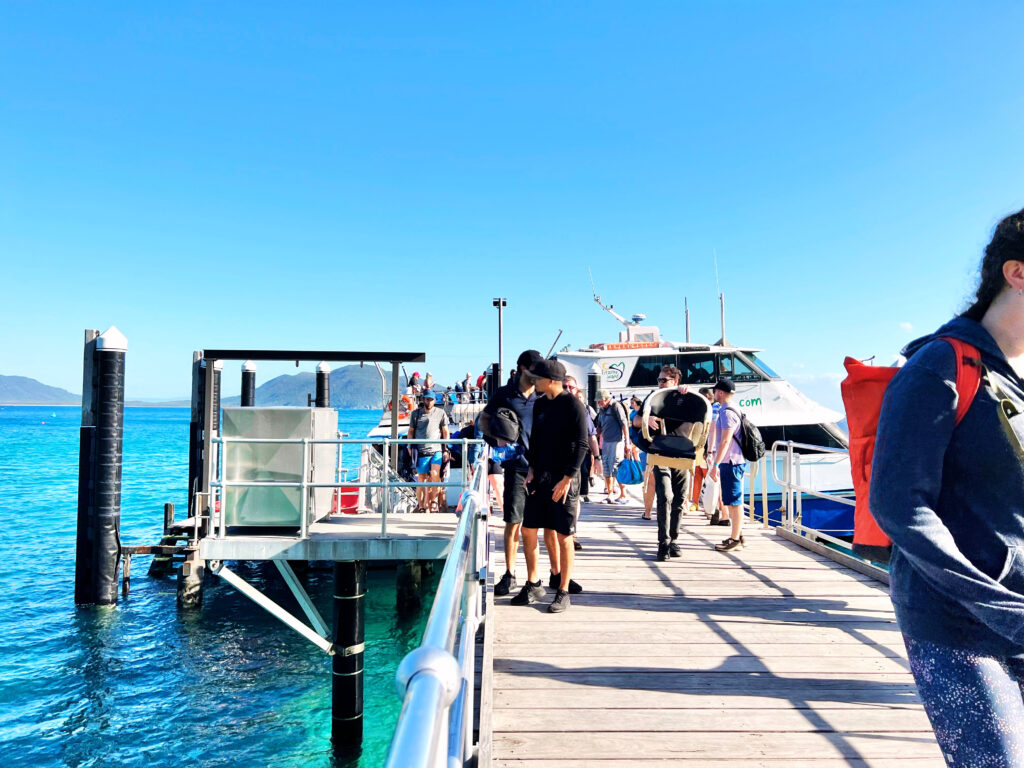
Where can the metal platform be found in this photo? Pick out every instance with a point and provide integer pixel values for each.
(345, 537)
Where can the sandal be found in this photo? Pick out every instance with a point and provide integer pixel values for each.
(645, 517)
(420, 510)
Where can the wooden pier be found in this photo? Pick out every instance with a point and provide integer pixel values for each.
(771, 656)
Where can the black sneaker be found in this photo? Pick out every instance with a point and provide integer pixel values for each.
(585, 499)
(504, 586)
(715, 517)
(560, 603)
(673, 550)
(530, 593)
(724, 522)
(555, 582)
(662, 552)
(730, 545)
(576, 545)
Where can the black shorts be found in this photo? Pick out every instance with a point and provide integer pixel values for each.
(544, 512)
(514, 495)
(494, 467)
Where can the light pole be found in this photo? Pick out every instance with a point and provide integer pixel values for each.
(500, 304)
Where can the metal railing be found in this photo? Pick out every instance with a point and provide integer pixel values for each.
(307, 512)
(436, 681)
(793, 490)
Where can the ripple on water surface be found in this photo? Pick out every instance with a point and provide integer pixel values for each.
(140, 684)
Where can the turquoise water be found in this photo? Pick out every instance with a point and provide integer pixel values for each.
(141, 684)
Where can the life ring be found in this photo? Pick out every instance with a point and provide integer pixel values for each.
(404, 404)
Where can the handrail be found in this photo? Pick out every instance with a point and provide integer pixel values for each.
(792, 489)
(218, 484)
(435, 725)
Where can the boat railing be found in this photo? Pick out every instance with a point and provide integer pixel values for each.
(436, 680)
(792, 455)
(308, 513)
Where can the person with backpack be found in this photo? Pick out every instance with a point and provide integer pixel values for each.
(949, 493)
(728, 466)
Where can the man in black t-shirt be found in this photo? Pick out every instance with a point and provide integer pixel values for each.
(519, 396)
(558, 442)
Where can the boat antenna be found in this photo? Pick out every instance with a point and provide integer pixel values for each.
(552, 347)
(686, 314)
(609, 308)
(721, 297)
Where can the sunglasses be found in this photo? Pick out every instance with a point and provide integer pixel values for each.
(663, 379)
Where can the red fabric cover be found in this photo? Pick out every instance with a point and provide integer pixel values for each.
(863, 390)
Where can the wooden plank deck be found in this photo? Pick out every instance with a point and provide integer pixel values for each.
(771, 656)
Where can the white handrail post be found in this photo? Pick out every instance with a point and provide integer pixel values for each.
(764, 492)
(789, 485)
(799, 494)
(385, 500)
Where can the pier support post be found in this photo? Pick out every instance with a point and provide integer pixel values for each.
(495, 380)
(323, 386)
(190, 581)
(248, 384)
(349, 634)
(98, 547)
(409, 587)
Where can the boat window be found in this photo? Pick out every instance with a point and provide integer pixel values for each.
(733, 367)
(697, 369)
(647, 369)
(759, 363)
(824, 435)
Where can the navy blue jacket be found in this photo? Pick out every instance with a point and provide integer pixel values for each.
(952, 500)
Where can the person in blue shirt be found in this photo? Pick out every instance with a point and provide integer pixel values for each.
(951, 498)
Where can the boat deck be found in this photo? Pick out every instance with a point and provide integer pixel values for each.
(771, 656)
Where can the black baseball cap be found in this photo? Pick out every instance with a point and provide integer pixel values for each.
(726, 385)
(528, 358)
(548, 369)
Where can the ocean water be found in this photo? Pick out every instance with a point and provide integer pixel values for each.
(142, 684)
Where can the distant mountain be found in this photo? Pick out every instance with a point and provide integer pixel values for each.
(21, 390)
(351, 387)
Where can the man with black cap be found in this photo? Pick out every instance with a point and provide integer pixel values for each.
(558, 443)
(519, 396)
(728, 464)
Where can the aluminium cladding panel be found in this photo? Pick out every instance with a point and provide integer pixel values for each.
(269, 462)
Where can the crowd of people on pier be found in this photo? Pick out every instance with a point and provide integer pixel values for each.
(550, 449)
(947, 487)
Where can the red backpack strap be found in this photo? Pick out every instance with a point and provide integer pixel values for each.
(968, 374)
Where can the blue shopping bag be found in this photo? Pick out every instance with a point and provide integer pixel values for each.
(629, 472)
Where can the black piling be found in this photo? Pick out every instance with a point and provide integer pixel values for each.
(593, 384)
(248, 384)
(98, 547)
(196, 459)
(495, 380)
(349, 635)
(409, 587)
(323, 386)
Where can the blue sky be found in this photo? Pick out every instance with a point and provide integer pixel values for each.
(361, 175)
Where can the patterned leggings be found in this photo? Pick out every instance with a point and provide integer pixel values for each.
(975, 704)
